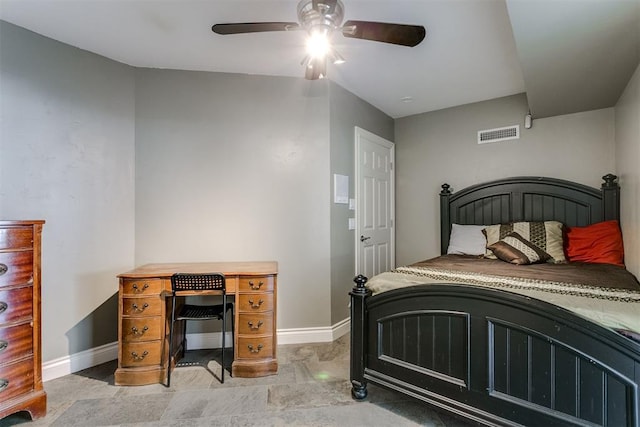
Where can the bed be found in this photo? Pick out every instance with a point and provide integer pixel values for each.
(491, 353)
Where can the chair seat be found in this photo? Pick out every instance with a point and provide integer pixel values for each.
(202, 312)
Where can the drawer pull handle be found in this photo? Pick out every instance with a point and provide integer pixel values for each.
(3, 269)
(135, 287)
(252, 350)
(136, 308)
(136, 357)
(4, 383)
(3, 345)
(254, 287)
(255, 328)
(260, 302)
(137, 332)
(3, 306)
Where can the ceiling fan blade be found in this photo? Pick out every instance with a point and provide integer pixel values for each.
(405, 35)
(254, 27)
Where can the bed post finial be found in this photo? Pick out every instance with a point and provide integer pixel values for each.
(360, 281)
(445, 189)
(609, 181)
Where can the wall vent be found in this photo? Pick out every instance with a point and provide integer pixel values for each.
(499, 134)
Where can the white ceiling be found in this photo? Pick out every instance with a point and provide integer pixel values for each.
(576, 55)
(469, 53)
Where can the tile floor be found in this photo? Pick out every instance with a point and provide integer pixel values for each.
(311, 389)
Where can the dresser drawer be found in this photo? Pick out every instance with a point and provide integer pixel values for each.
(15, 342)
(255, 323)
(255, 348)
(146, 353)
(16, 268)
(16, 238)
(150, 306)
(16, 379)
(16, 304)
(256, 284)
(142, 286)
(255, 302)
(141, 328)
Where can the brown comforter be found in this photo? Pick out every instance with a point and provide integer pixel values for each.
(604, 293)
(597, 275)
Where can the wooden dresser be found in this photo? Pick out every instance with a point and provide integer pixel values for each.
(145, 313)
(20, 319)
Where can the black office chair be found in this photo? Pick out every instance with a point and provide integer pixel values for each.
(189, 285)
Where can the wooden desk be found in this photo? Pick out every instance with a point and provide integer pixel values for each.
(144, 315)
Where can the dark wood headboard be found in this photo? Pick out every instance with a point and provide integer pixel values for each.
(528, 198)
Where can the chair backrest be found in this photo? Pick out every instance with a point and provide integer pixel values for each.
(198, 282)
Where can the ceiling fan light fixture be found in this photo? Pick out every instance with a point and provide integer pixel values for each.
(318, 45)
(312, 13)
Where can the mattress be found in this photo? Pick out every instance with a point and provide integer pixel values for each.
(603, 293)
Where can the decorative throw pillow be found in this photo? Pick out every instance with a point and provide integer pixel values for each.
(516, 249)
(467, 240)
(547, 236)
(596, 243)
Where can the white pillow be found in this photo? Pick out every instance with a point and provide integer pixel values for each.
(467, 240)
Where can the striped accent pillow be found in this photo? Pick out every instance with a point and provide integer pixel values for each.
(546, 235)
(516, 249)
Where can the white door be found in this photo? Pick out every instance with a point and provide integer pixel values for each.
(375, 212)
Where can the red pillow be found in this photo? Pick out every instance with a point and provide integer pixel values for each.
(596, 243)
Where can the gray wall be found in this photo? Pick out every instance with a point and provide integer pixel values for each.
(262, 174)
(441, 146)
(346, 112)
(627, 125)
(235, 167)
(66, 156)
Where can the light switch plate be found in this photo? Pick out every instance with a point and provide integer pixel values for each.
(340, 188)
(352, 223)
(352, 204)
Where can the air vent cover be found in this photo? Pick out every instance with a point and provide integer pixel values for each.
(499, 134)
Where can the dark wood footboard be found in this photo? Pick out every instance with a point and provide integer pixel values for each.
(494, 357)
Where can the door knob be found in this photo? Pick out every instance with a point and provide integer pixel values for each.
(362, 238)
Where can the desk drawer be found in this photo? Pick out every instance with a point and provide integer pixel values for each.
(255, 323)
(255, 302)
(141, 354)
(142, 286)
(16, 268)
(16, 237)
(16, 342)
(256, 284)
(16, 379)
(150, 306)
(16, 304)
(141, 328)
(255, 348)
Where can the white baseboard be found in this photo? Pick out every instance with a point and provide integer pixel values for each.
(86, 359)
(208, 340)
(311, 335)
(78, 361)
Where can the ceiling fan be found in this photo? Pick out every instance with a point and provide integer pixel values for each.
(321, 18)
